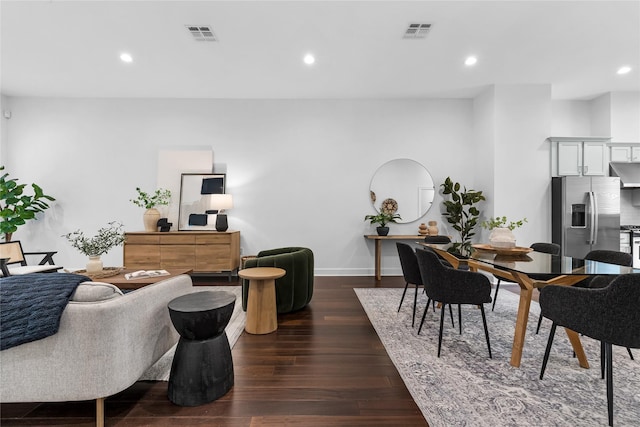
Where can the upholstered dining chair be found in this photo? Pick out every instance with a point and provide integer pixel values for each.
(609, 315)
(547, 248)
(451, 286)
(610, 257)
(411, 274)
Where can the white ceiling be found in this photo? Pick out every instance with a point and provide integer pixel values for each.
(71, 48)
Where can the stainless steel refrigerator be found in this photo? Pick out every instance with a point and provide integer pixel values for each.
(585, 214)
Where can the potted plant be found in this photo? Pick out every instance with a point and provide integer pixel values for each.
(149, 202)
(16, 207)
(93, 247)
(383, 218)
(502, 231)
(461, 213)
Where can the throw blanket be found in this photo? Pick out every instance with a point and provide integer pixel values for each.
(31, 305)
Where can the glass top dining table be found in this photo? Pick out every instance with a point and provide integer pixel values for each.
(535, 270)
(538, 263)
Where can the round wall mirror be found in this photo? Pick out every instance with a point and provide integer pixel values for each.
(403, 186)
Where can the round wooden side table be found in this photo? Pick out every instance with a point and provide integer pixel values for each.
(262, 313)
(202, 368)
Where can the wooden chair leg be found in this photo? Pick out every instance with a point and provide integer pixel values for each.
(100, 412)
(460, 318)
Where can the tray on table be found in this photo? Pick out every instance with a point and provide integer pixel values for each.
(515, 251)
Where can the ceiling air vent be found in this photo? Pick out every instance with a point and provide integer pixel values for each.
(202, 33)
(417, 31)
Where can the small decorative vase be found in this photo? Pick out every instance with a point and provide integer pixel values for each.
(382, 231)
(150, 219)
(502, 238)
(422, 229)
(433, 228)
(94, 265)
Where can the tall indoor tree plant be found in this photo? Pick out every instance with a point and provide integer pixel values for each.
(16, 207)
(461, 213)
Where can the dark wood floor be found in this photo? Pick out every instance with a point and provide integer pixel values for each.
(324, 366)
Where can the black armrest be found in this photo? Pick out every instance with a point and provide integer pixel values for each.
(47, 259)
(4, 268)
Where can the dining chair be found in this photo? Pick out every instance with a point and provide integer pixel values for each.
(411, 273)
(609, 315)
(610, 257)
(547, 248)
(451, 286)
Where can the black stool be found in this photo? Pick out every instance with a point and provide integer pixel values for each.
(202, 368)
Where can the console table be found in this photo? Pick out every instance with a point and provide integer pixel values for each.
(199, 251)
(378, 246)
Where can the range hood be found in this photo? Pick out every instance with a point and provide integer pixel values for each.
(629, 174)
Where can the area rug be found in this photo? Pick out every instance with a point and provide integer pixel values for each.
(161, 369)
(465, 388)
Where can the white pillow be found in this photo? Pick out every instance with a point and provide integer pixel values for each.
(95, 291)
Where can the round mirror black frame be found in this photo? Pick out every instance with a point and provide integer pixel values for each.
(403, 186)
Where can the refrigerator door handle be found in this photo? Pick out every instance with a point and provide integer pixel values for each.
(596, 216)
(593, 226)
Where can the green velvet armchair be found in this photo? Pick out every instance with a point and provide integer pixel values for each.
(295, 289)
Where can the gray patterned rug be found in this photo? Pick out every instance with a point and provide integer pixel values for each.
(162, 368)
(465, 388)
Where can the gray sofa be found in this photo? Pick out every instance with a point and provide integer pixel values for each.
(105, 342)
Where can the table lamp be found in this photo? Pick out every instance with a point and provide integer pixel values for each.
(221, 202)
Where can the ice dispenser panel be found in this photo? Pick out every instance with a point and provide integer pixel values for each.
(578, 216)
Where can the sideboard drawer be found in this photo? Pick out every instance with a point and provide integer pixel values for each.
(142, 239)
(175, 239)
(213, 239)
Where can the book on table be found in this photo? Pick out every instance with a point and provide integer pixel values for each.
(145, 273)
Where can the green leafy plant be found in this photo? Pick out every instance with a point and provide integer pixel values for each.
(383, 218)
(502, 222)
(16, 207)
(106, 239)
(145, 200)
(461, 213)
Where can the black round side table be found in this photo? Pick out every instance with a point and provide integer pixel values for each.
(202, 368)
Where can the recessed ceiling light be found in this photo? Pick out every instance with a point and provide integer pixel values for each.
(624, 70)
(471, 60)
(125, 57)
(309, 59)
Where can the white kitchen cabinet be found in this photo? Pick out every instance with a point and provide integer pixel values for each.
(625, 153)
(582, 158)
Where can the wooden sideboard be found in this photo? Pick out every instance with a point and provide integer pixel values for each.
(200, 251)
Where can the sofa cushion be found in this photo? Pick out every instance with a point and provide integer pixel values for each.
(95, 291)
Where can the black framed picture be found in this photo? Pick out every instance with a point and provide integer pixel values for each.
(195, 200)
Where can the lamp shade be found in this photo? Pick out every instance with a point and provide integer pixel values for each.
(221, 202)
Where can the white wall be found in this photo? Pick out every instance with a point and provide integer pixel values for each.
(512, 123)
(625, 116)
(570, 118)
(299, 171)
